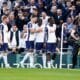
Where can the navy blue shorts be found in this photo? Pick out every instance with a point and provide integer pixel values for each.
(39, 46)
(30, 44)
(5, 47)
(1, 47)
(51, 47)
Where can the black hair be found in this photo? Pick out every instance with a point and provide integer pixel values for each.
(4, 3)
(14, 25)
(51, 21)
(39, 22)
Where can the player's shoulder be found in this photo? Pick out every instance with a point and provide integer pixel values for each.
(1, 26)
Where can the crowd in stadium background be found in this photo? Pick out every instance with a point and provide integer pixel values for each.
(39, 17)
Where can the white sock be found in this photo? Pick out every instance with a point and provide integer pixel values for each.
(49, 64)
(31, 60)
(25, 58)
(5, 60)
(1, 55)
(44, 60)
(52, 61)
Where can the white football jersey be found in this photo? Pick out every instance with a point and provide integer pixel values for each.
(40, 35)
(13, 43)
(0, 37)
(51, 34)
(5, 32)
(23, 41)
(45, 21)
(31, 36)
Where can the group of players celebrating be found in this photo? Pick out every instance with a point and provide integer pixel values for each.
(38, 36)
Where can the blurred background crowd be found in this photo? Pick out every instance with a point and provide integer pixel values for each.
(19, 11)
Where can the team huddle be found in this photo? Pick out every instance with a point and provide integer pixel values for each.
(38, 36)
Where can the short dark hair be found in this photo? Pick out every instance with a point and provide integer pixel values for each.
(4, 3)
(39, 22)
(51, 21)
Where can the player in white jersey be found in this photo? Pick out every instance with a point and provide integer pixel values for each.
(23, 37)
(31, 26)
(51, 42)
(44, 18)
(4, 42)
(40, 34)
(1, 42)
(14, 39)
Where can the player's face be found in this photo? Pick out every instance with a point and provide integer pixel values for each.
(7, 20)
(43, 14)
(14, 28)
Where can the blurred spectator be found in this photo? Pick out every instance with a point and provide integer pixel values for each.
(69, 24)
(41, 6)
(20, 20)
(31, 5)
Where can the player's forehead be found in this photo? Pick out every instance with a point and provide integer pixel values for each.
(14, 26)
